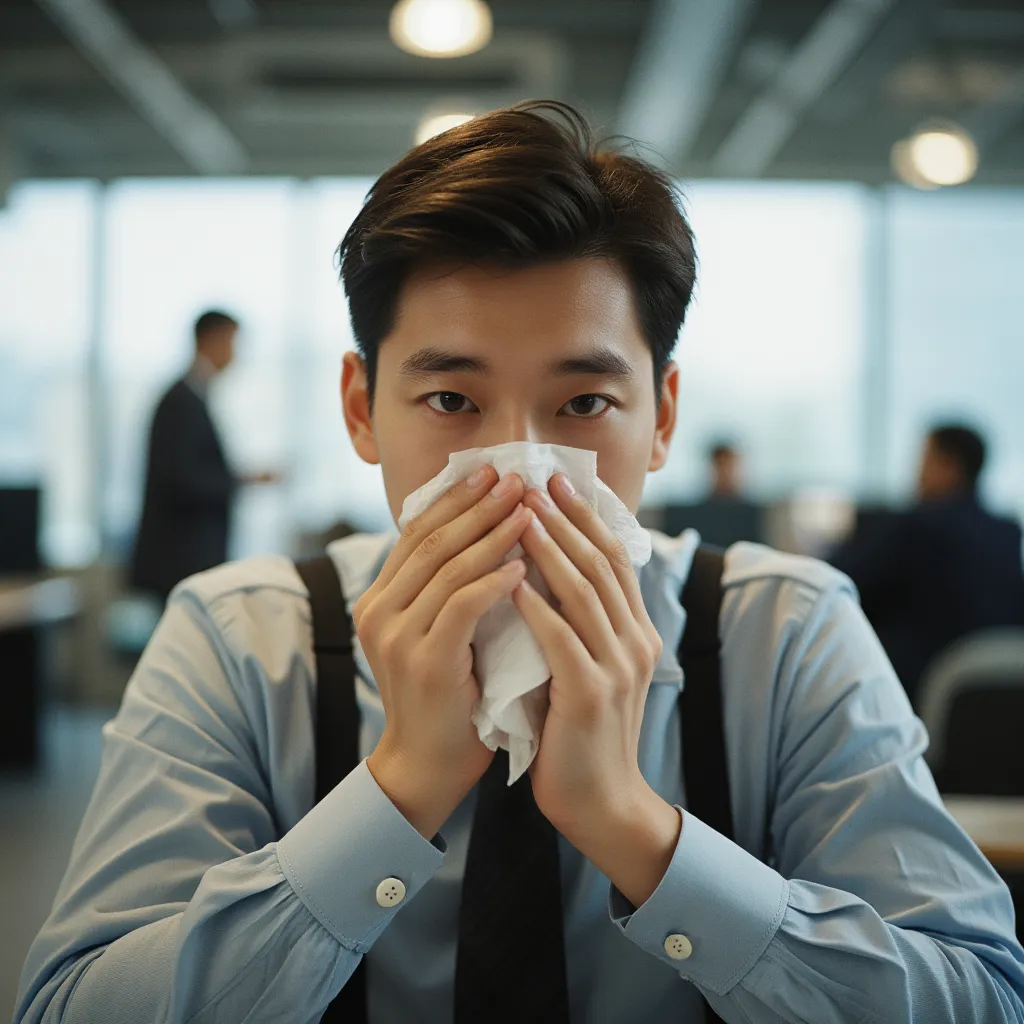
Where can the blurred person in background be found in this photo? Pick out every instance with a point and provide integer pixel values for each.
(943, 569)
(724, 516)
(190, 486)
(725, 465)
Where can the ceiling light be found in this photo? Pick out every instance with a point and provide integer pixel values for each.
(441, 28)
(939, 155)
(904, 167)
(434, 124)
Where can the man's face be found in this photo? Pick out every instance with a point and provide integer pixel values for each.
(218, 346)
(938, 476)
(479, 357)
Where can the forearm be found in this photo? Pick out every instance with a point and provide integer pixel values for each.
(765, 949)
(838, 961)
(244, 939)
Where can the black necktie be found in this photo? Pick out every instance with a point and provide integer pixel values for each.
(510, 965)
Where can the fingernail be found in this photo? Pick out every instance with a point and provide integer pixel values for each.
(563, 482)
(479, 477)
(537, 525)
(516, 567)
(503, 486)
(543, 497)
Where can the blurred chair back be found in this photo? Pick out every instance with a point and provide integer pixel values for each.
(972, 703)
(19, 531)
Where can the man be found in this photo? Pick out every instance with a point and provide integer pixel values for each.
(507, 281)
(724, 516)
(725, 470)
(189, 484)
(945, 568)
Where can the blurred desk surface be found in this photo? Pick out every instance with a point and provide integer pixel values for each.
(33, 601)
(996, 824)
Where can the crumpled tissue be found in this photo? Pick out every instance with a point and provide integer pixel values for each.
(508, 662)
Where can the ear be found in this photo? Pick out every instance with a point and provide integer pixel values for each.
(355, 402)
(665, 423)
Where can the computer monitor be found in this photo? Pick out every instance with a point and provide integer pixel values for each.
(19, 530)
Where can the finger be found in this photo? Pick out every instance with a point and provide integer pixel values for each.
(585, 518)
(426, 550)
(443, 544)
(456, 623)
(453, 503)
(588, 558)
(475, 562)
(580, 603)
(565, 653)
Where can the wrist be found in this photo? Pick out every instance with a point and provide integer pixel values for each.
(422, 794)
(632, 842)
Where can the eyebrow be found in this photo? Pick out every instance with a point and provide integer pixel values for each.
(602, 362)
(428, 361)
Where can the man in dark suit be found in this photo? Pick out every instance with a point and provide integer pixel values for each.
(189, 484)
(943, 569)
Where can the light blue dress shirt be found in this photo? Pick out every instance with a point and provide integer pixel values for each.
(204, 886)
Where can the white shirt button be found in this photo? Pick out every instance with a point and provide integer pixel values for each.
(679, 947)
(390, 892)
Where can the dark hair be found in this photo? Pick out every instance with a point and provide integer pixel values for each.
(212, 320)
(964, 446)
(514, 188)
(720, 449)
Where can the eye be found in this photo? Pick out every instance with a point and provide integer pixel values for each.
(449, 402)
(585, 406)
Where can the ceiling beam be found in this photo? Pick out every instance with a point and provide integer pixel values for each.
(818, 60)
(678, 68)
(990, 121)
(149, 85)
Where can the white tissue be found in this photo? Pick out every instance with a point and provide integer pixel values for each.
(509, 664)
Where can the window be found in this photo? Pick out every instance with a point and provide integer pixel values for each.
(770, 353)
(46, 261)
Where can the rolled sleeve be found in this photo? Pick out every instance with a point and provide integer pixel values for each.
(339, 853)
(724, 901)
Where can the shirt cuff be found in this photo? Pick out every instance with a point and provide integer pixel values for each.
(726, 903)
(339, 853)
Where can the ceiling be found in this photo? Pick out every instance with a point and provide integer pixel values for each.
(735, 88)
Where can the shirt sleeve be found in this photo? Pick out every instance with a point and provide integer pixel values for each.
(878, 907)
(180, 903)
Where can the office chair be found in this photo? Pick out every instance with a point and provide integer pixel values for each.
(972, 703)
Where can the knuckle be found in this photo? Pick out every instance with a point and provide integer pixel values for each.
(619, 555)
(585, 589)
(601, 566)
(431, 544)
(450, 571)
(388, 642)
(413, 528)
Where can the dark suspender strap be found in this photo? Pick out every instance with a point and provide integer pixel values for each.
(701, 716)
(336, 728)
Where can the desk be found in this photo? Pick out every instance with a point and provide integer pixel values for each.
(27, 604)
(996, 824)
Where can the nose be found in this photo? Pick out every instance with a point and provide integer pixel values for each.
(509, 425)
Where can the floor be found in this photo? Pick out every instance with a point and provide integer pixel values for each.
(40, 816)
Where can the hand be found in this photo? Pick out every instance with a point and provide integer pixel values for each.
(602, 649)
(415, 624)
